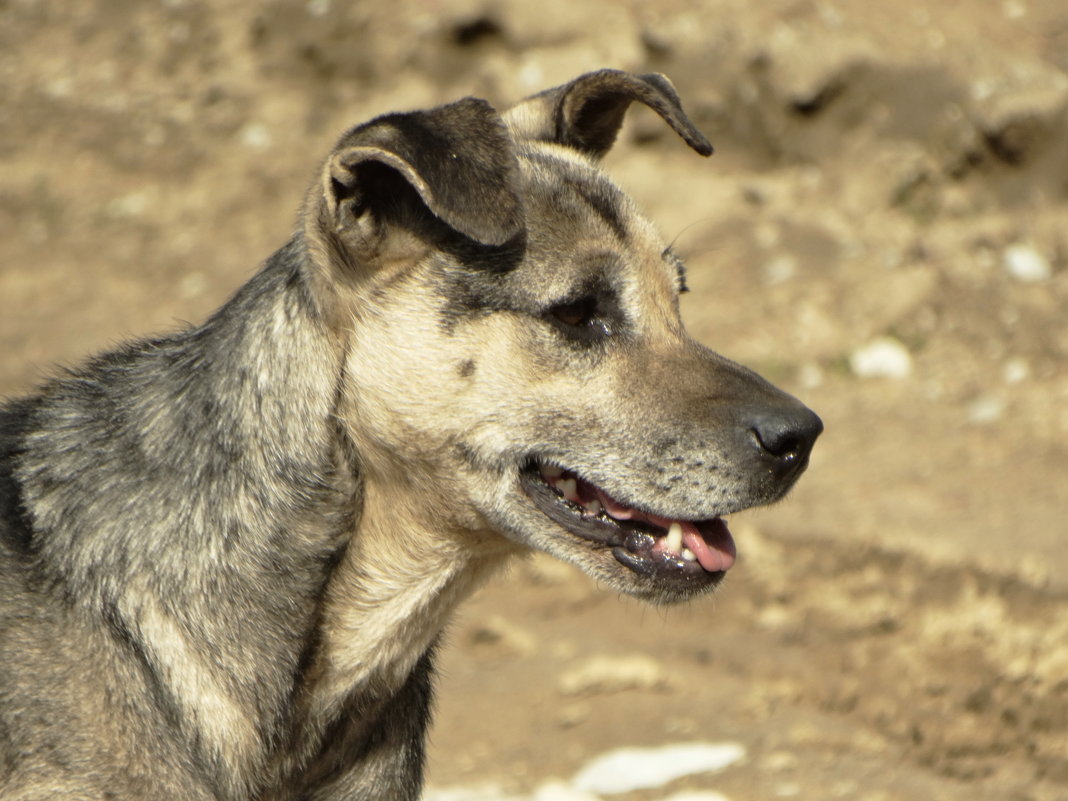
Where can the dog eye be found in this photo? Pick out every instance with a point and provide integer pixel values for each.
(581, 318)
(577, 313)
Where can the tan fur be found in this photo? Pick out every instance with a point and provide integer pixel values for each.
(220, 718)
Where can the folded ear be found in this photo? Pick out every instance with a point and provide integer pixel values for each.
(587, 113)
(458, 159)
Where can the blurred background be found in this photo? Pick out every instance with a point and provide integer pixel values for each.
(882, 231)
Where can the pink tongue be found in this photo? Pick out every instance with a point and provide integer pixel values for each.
(714, 547)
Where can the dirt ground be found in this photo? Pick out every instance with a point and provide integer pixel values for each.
(882, 231)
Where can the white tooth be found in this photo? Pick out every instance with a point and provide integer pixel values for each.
(569, 488)
(551, 471)
(689, 555)
(594, 507)
(673, 540)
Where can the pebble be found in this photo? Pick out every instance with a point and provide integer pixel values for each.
(130, 205)
(986, 409)
(883, 357)
(810, 375)
(255, 136)
(628, 769)
(1026, 264)
(620, 771)
(1016, 370)
(481, 792)
(561, 791)
(780, 270)
(615, 674)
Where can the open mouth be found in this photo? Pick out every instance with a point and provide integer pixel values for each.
(648, 544)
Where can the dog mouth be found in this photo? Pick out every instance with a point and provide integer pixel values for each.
(668, 549)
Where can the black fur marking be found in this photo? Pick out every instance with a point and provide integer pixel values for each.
(597, 193)
(481, 286)
(605, 203)
(16, 530)
(161, 697)
(389, 730)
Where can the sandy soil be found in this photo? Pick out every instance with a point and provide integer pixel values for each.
(882, 232)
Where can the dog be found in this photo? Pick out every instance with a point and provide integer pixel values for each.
(227, 554)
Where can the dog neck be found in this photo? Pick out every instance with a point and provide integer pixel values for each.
(387, 600)
(400, 580)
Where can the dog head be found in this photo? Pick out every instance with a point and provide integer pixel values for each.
(514, 352)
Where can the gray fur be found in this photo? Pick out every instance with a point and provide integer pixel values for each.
(202, 595)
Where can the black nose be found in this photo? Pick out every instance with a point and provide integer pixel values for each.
(785, 437)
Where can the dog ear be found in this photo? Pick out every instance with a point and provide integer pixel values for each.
(587, 113)
(458, 159)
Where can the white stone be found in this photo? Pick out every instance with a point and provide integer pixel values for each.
(1016, 370)
(629, 769)
(479, 792)
(1026, 264)
(192, 285)
(883, 357)
(130, 205)
(604, 675)
(697, 795)
(986, 409)
(255, 136)
(1013, 9)
(561, 791)
(780, 270)
(810, 375)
